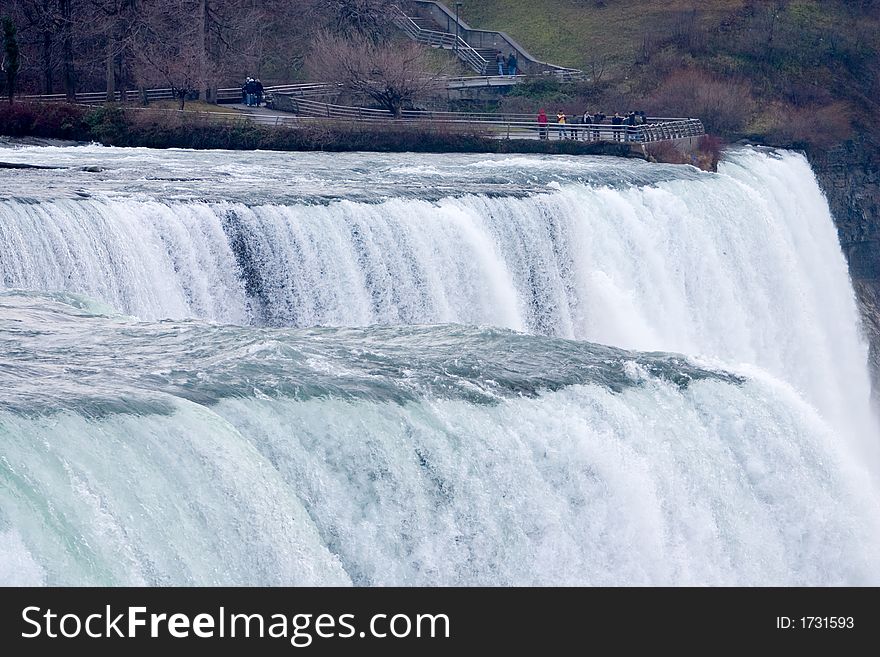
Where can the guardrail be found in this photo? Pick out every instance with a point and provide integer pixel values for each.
(97, 97)
(654, 129)
(512, 126)
(437, 39)
(305, 89)
(225, 94)
(477, 38)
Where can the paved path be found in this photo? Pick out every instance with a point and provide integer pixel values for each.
(265, 116)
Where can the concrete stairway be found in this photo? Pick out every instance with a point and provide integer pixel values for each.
(428, 32)
(433, 23)
(489, 55)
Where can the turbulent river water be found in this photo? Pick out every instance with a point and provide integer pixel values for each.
(265, 368)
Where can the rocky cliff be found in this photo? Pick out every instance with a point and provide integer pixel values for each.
(850, 176)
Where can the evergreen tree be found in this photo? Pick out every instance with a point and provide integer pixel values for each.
(11, 60)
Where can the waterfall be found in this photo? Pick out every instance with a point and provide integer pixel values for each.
(410, 389)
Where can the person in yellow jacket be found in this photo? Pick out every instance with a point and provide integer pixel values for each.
(560, 119)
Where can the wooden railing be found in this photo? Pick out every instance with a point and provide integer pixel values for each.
(228, 94)
(99, 97)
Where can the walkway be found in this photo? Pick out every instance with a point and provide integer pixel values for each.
(297, 105)
(504, 126)
(434, 24)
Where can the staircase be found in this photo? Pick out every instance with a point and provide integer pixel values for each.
(489, 55)
(424, 30)
(434, 24)
(423, 23)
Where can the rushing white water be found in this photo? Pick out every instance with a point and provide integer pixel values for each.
(147, 454)
(186, 453)
(743, 267)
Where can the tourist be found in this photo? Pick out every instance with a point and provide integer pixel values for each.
(499, 59)
(630, 121)
(588, 120)
(598, 119)
(542, 124)
(511, 65)
(247, 91)
(258, 92)
(560, 119)
(616, 123)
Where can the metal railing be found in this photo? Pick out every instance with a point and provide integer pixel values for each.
(564, 74)
(302, 90)
(655, 129)
(225, 94)
(489, 39)
(513, 126)
(437, 39)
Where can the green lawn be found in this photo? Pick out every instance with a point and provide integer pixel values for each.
(775, 66)
(579, 33)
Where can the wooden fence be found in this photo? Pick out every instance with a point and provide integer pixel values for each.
(229, 94)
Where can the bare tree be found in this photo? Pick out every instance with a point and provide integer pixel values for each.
(365, 18)
(65, 21)
(392, 75)
(41, 16)
(597, 66)
(272, 38)
(169, 51)
(46, 39)
(117, 22)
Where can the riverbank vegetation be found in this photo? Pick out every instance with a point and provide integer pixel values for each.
(796, 73)
(120, 126)
(793, 73)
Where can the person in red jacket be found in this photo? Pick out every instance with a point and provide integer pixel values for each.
(542, 124)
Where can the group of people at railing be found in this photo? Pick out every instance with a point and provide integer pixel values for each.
(592, 126)
(508, 63)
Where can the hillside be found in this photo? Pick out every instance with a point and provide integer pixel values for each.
(771, 69)
(794, 73)
(572, 32)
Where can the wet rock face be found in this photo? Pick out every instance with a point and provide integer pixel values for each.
(850, 177)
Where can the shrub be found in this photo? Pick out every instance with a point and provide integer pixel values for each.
(546, 89)
(817, 126)
(108, 125)
(724, 105)
(60, 121)
(17, 119)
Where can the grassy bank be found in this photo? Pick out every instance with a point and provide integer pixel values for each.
(116, 126)
(796, 73)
